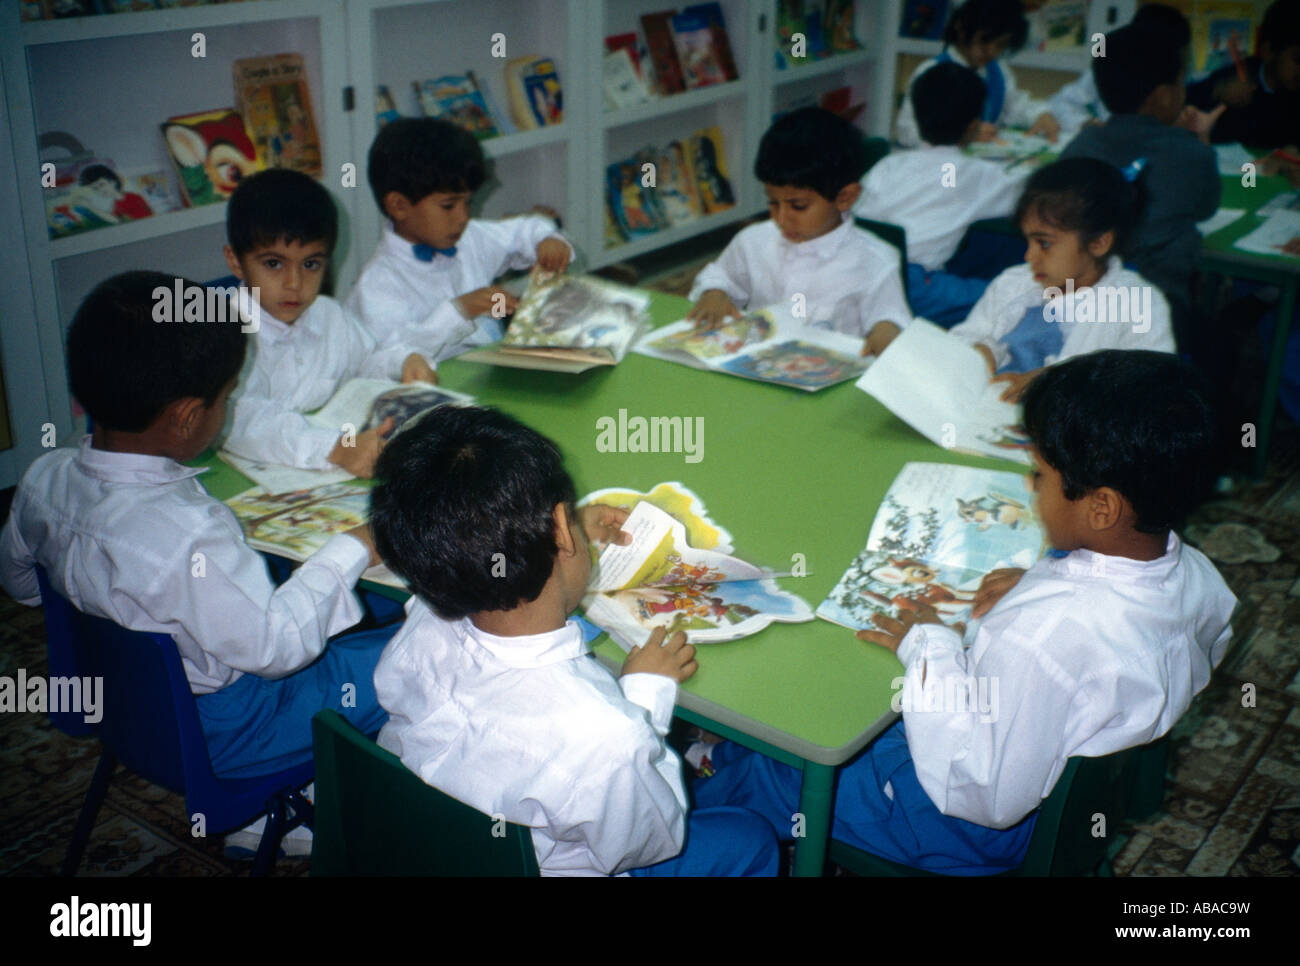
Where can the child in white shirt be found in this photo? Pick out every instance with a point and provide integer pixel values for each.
(809, 256)
(937, 191)
(493, 696)
(1072, 295)
(1087, 654)
(125, 531)
(429, 283)
(976, 36)
(281, 227)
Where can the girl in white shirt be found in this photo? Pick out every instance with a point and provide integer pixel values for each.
(1073, 294)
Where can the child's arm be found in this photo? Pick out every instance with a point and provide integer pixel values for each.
(520, 242)
(394, 315)
(906, 131)
(722, 287)
(1021, 110)
(1072, 104)
(263, 428)
(988, 321)
(17, 563)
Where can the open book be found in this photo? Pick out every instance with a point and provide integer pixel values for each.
(939, 385)
(358, 405)
(940, 529)
(769, 345)
(297, 524)
(660, 580)
(568, 323)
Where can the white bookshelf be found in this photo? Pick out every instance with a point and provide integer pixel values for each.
(110, 80)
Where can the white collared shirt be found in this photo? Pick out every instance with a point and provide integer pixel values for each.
(294, 369)
(1018, 108)
(404, 300)
(1086, 655)
(847, 276)
(534, 729)
(1122, 311)
(1075, 104)
(136, 539)
(933, 203)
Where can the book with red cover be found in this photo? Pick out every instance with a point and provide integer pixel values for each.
(624, 42)
(663, 51)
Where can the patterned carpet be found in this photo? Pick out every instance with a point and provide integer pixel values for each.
(1232, 803)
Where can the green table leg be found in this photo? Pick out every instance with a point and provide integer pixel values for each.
(1268, 404)
(815, 806)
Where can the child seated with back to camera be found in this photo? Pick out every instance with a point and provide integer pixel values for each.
(936, 192)
(1073, 295)
(493, 696)
(1093, 652)
(281, 227)
(809, 253)
(125, 531)
(429, 283)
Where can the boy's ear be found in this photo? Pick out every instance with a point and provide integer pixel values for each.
(181, 417)
(232, 263)
(565, 543)
(848, 196)
(1105, 507)
(1102, 245)
(396, 205)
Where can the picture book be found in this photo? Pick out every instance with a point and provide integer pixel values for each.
(940, 386)
(663, 51)
(769, 345)
(711, 14)
(536, 97)
(677, 197)
(940, 529)
(839, 26)
(1013, 149)
(1214, 24)
(693, 38)
(708, 162)
(661, 580)
(457, 98)
(790, 23)
(212, 151)
(1059, 25)
(275, 102)
(89, 192)
(622, 84)
(568, 323)
(923, 19)
(1286, 201)
(385, 107)
(297, 523)
(679, 502)
(631, 202)
(626, 41)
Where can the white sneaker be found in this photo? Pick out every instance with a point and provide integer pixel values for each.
(243, 844)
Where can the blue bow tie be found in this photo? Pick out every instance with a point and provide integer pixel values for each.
(425, 253)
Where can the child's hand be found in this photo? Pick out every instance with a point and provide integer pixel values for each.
(1234, 92)
(987, 353)
(1292, 247)
(994, 587)
(490, 300)
(359, 458)
(363, 534)
(986, 131)
(712, 308)
(416, 368)
(673, 658)
(1017, 383)
(892, 631)
(1047, 125)
(552, 255)
(878, 339)
(1199, 122)
(604, 524)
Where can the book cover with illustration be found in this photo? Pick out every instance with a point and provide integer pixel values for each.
(212, 151)
(663, 52)
(711, 15)
(536, 97)
(568, 323)
(273, 97)
(662, 580)
(693, 38)
(962, 411)
(939, 530)
(708, 162)
(769, 345)
(675, 192)
(631, 203)
(457, 98)
(89, 192)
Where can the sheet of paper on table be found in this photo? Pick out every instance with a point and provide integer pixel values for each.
(1219, 220)
(1231, 157)
(1268, 239)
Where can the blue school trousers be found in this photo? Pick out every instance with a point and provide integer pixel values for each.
(906, 828)
(942, 298)
(257, 726)
(724, 841)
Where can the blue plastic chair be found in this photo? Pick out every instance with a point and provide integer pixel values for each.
(150, 723)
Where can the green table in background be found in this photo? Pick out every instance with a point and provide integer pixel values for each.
(1219, 255)
(787, 473)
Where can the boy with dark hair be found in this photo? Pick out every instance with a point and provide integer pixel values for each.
(937, 191)
(1093, 652)
(1263, 109)
(429, 283)
(809, 253)
(493, 696)
(281, 226)
(125, 531)
(1141, 81)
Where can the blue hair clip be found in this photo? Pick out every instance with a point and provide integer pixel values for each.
(1132, 171)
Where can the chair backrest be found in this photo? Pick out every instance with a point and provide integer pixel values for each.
(374, 816)
(894, 235)
(64, 651)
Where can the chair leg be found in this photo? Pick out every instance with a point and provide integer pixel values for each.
(89, 811)
(304, 813)
(269, 848)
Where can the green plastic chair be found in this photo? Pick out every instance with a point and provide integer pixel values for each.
(374, 816)
(1127, 784)
(894, 235)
